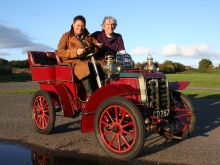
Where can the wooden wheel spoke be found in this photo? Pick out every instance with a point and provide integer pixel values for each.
(125, 140)
(182, 115)
(128, 124)
(116, 114)
(37, 117)
(46, 106)
(110, 116)
(119, 142)
(40, 102)
(37, 103)
(123, 116)
(107, 132)
(131, 134)
(106, 124)
(46, 112)
(111, 141)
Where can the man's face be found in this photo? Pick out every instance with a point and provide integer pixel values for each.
(109, 26)
(78, 27)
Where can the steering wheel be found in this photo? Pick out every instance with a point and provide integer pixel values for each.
(89, 51)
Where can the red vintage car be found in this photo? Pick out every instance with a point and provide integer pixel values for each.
(121, 110)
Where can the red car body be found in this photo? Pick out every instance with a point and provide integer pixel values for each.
(57, 79)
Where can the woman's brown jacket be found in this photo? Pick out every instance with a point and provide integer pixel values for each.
(67, 48)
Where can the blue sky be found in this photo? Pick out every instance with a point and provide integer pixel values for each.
(181, 31)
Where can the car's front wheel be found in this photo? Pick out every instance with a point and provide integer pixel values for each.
(119, 128)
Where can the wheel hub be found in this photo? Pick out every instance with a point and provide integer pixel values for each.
(115, 129)
(39, 112)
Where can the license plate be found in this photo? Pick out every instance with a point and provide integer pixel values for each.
(161, 113)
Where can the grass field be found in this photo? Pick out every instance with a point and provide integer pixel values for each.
(206, 80)
(15, 78)
(203, 80)
(18, 91)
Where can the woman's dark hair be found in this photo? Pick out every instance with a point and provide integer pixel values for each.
(79, 17)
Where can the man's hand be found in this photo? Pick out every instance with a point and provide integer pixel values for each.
(99, 45)
(80, 51)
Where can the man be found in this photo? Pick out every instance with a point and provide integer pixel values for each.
(111, 41)
(72, 45)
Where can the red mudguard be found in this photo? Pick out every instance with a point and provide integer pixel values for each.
(98, 97)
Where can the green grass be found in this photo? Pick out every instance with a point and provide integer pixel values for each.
(21, 77)
(207, 80)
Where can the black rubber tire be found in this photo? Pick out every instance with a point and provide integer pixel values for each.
(138, 122)
(51, 112)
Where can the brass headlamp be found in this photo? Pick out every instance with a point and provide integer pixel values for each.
(112, 67)
(150, 67)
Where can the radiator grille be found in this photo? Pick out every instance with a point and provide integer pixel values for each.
(157, 93)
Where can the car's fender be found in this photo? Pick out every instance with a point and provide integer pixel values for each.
(64, 95)
(98, 97)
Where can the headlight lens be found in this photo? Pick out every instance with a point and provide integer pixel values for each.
(112, 68)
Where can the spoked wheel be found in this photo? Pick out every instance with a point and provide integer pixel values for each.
(183, 118)
(43, 112)
(119, 128)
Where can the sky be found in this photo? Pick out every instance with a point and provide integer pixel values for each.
(183, 31)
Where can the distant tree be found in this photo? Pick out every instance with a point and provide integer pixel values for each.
(138, 65)
(5, 67)
(3, 61)
(168, 62)
(205, 65)
(20, 64)
(162, 68)
(167, 67)
(156, 64)
(179, 67)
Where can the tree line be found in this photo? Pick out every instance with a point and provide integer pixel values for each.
(205, 65)
(7, 66)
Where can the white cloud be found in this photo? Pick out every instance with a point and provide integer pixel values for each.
(194, 51)
(140, 51)
(11, 37)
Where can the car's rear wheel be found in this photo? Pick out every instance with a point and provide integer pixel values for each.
(119, 128)
(43, 112)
